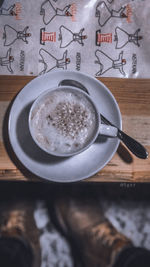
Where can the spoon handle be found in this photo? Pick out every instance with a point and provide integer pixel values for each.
(135, 147)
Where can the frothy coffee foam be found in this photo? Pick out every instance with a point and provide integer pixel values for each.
(64, 122)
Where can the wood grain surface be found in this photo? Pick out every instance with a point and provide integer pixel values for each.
(133, 97)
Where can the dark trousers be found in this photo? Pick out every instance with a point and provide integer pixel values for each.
(133, 257)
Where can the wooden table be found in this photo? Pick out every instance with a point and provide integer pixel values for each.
(133, 97)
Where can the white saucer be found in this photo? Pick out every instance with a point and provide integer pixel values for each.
(49, 167)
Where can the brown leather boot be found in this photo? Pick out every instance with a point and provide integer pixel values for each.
(17, 223)
(83, 221)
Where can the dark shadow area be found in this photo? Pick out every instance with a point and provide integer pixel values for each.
(51, 191)
(124, 154)
(101, 139)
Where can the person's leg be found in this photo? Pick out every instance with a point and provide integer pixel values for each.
(15, 253)
(18, 232)
(98, 242)
(133, 257)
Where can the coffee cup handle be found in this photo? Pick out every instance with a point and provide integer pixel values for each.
(108, 130)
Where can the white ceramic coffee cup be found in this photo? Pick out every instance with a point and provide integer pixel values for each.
(99, 128)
